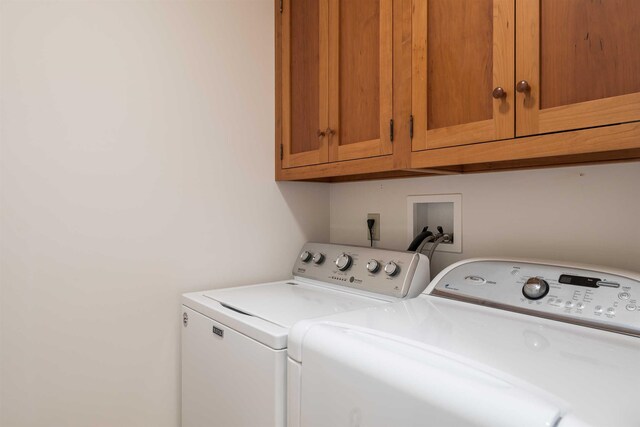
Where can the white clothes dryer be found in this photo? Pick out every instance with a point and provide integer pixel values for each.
(489, 343)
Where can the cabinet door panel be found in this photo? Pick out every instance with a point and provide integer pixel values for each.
(305, 84)
(460, 54)
(462, 50)
(581, 60)
(360, 78)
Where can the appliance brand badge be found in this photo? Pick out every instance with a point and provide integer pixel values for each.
(301, 270)
(217, 331)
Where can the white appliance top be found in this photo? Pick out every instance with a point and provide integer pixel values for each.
(320, 287)
(590, 374)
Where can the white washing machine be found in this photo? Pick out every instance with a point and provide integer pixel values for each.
(489, 343)
(234, 340)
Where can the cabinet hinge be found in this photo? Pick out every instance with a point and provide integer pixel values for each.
(411, 126)
(391, 130)
(281, 152)
(281, 6)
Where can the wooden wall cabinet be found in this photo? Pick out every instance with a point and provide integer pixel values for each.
(578, 62)
(462, 72)
(337, 87)
(360, 78)
(470, 85)
(305, 83)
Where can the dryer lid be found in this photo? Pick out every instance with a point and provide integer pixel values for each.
(593, 373)
(388, 381)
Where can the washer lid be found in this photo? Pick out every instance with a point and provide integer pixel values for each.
(285, 303)
(265, 312)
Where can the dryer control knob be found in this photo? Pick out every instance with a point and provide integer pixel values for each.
(343, 262)
(318, 258)
(373, 266)
(535, 288)
(391, 269)
(306, 256)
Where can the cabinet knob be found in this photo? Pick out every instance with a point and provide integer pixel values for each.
(320, 134)
(523, 86)
(499, 93)
(330, 132)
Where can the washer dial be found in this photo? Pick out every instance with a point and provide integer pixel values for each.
(373, 266)
(305, 256)
(344, 262)
(391, 269)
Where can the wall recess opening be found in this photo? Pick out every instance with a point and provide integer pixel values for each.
(444, 210)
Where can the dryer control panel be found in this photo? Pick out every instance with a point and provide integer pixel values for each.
(395, 274)
(602, 299)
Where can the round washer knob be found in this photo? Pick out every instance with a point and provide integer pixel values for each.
(306, 256)
(535, 288)
(373, 266)
(318, 258)
(391, 269)
(343, 262)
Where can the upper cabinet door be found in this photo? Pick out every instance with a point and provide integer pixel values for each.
(305, 84)
(462, 72)
(360, 78)
(577, 64)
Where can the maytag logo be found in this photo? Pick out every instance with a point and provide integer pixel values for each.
(301, 270)
(219, 332)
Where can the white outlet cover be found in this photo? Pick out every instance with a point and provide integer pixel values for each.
(413, 205)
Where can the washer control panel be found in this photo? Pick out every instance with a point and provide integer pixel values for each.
(392, 273)
(593, 298)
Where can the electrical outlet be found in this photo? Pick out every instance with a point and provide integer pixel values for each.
(376, 226)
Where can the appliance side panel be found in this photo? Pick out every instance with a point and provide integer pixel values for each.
(294, 379)
(229, 379)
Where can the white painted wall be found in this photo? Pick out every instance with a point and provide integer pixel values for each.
(136, 160)
(587, 214)
(136, 164)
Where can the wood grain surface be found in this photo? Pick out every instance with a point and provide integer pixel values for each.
(589, 50)
(459, 62)
(305, 81)
(359, 77)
